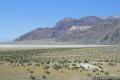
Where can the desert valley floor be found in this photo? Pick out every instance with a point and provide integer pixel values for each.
(58, 63)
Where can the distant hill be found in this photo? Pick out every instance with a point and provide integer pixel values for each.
(86, 30)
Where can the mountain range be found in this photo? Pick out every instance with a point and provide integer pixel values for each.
(85, 30)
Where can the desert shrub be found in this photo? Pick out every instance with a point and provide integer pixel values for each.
(32, 77)
(62, 71)
(57, 67)
(95, 70)
(44, 77)
(82, 67)
(89, 75)
(100, 67)
(97, 73)
(31, 72)
(75, 68)
(46, 67)
(86, 61)
(73, 64)
(112, 64)
(102, 71)
(47, 72)
(37, 64)
(106, 73)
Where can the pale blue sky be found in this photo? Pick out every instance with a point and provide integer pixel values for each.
(20, 16)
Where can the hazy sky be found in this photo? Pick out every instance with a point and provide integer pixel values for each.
(20, 16)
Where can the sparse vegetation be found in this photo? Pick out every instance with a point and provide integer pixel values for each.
(107, 73)
(89, 75)
(44, 77)
(32, 77)
(45, 63)
(47, 72)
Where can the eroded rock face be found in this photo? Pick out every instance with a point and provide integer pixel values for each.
(81, 28)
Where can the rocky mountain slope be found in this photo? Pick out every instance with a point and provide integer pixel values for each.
(86, 30)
